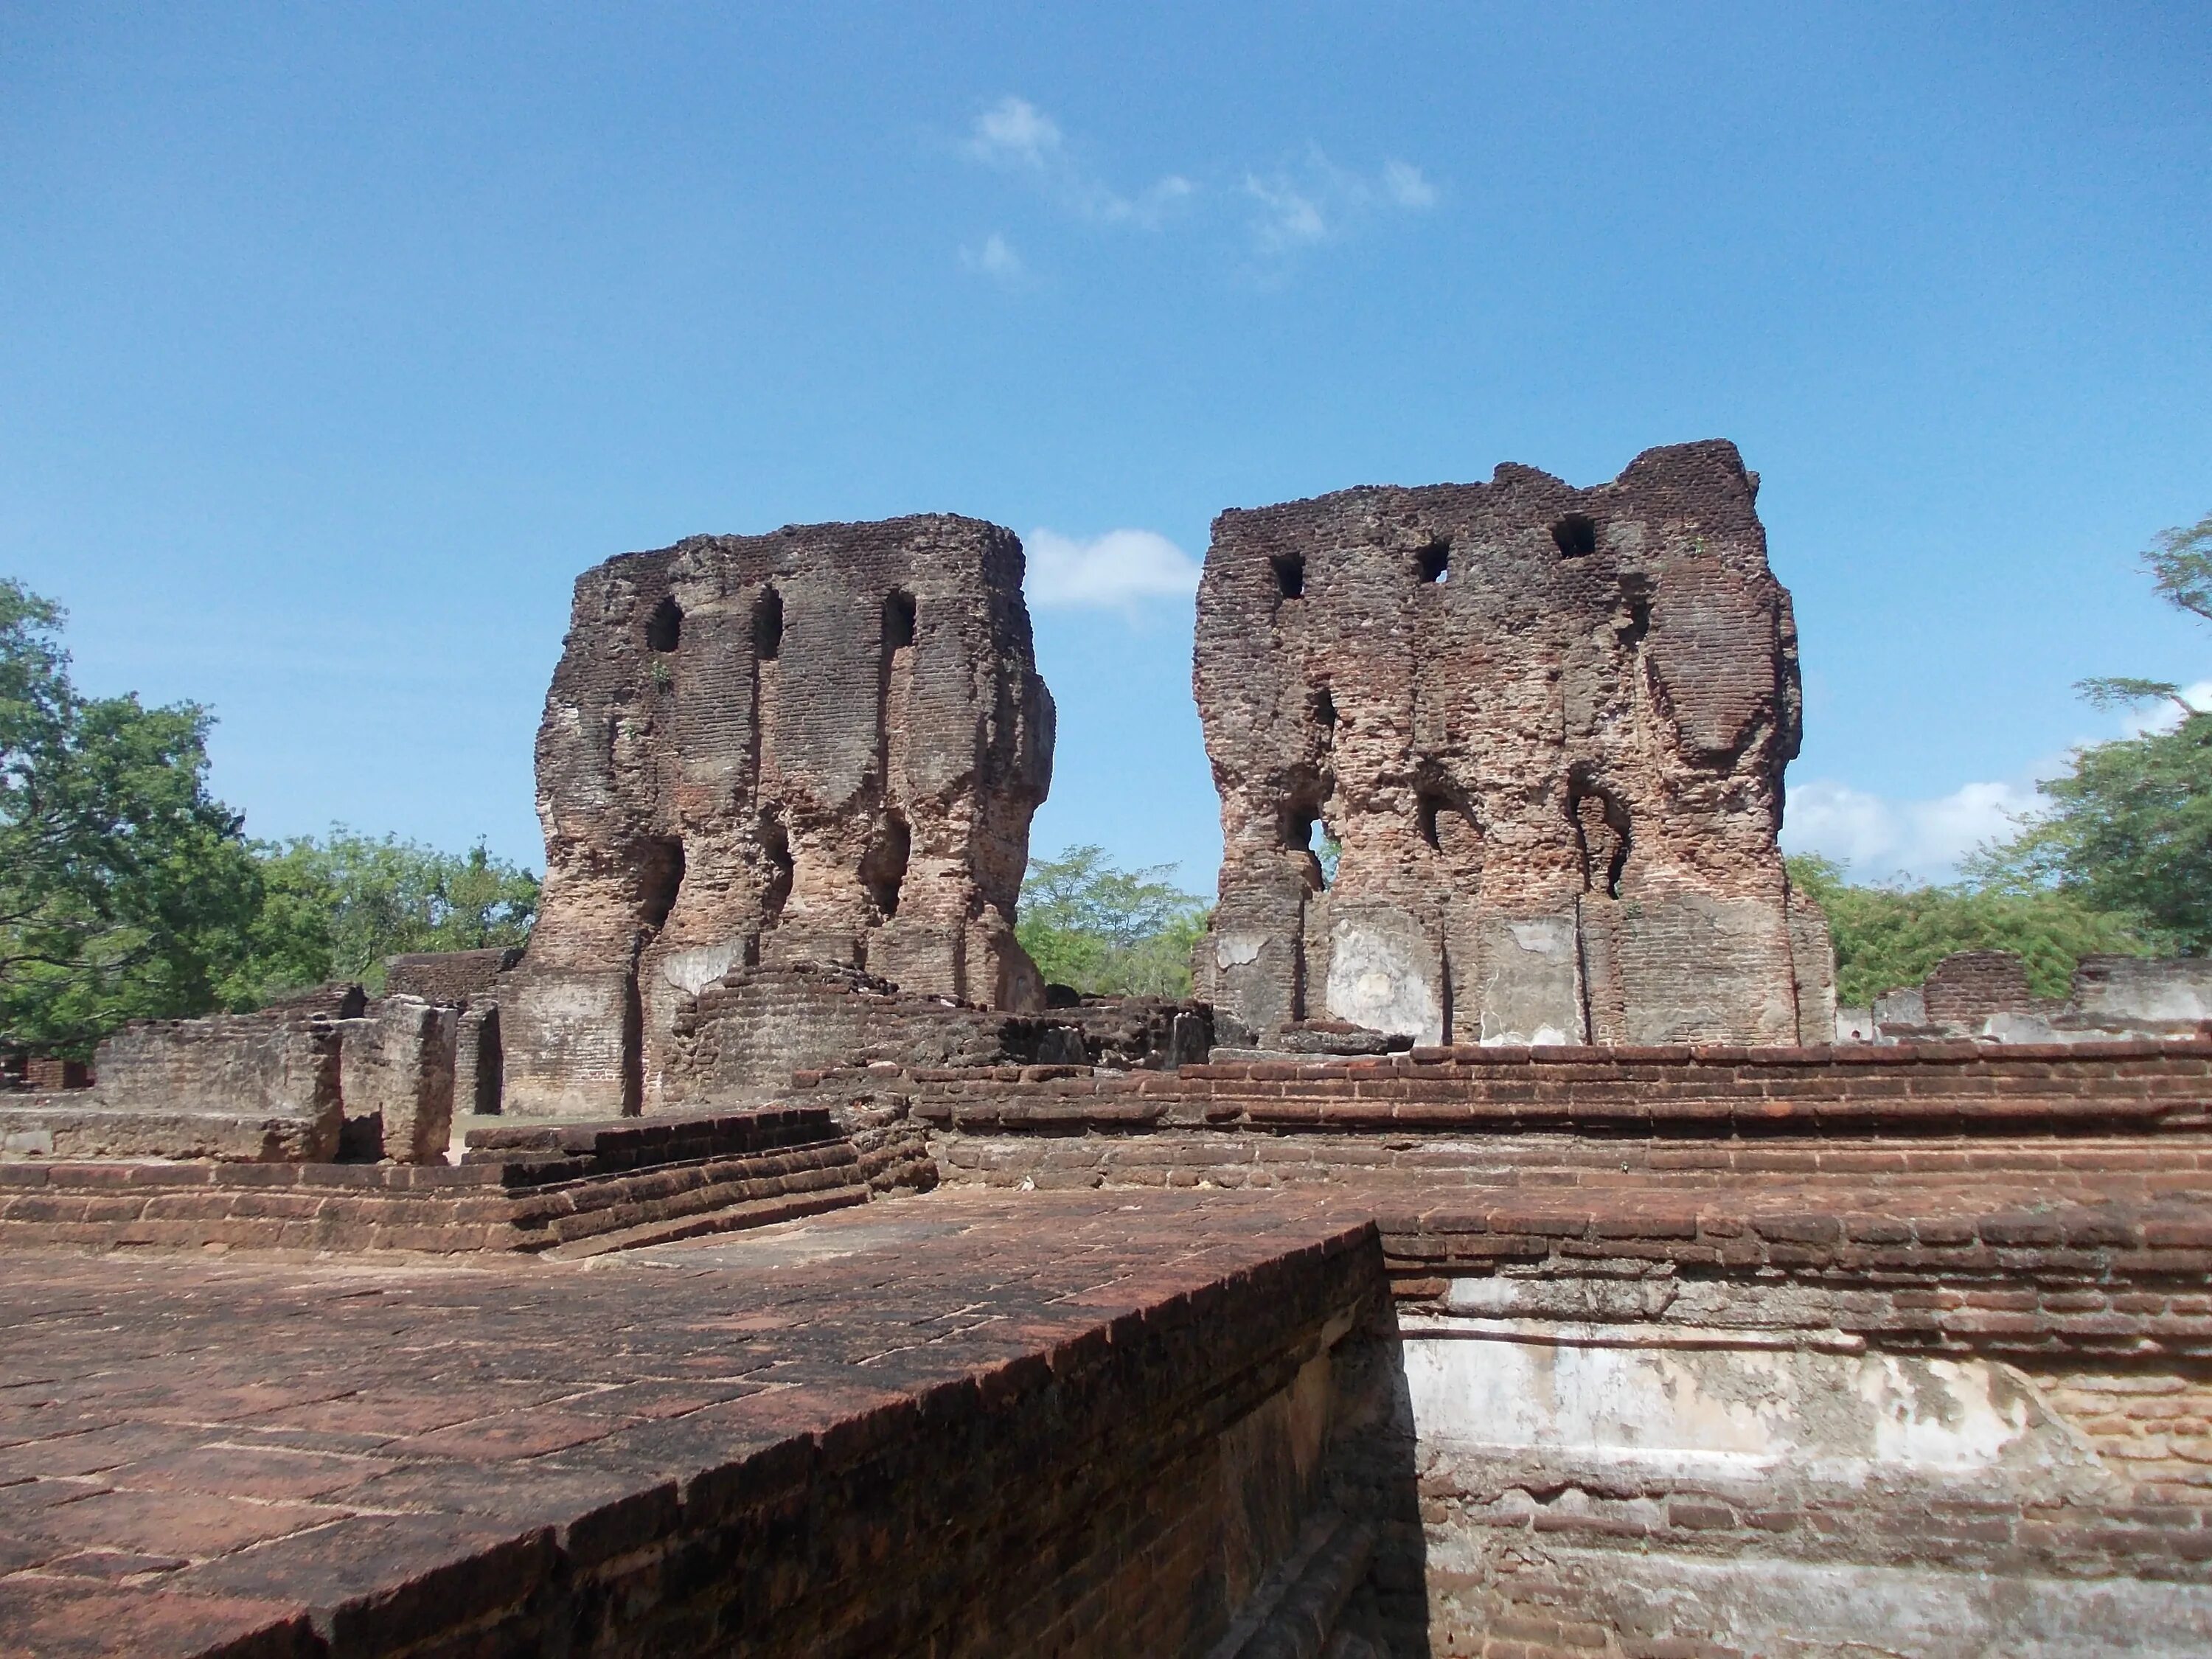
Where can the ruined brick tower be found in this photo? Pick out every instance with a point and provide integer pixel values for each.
(1547, 728)
(823, 744)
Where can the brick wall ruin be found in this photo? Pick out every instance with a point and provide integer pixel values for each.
(1549, 728)
(819, 745)
(1985, 995)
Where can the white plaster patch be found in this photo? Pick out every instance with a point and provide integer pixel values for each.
(1543, 938)
(1376, 981)
(692, 971)
(1707, 1401)
(1238, 949)
(1812, 1610)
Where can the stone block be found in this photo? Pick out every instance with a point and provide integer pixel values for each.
(396, 1067)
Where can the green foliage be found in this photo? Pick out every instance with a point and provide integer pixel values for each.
(1888, 937)
(335, 908)
(1108, 930)
(2180, 566)
(124, 887)
(2130, 829)
(128, 892)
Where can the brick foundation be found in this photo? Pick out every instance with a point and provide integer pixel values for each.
(528, 1188)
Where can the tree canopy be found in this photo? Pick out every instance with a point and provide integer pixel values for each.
(335, 908)
(2128, 830)
(2118, 861)
(125, 886)
(1887, 937)
(1103, 930)
(128, 891)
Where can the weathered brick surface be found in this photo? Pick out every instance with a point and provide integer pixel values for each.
(823, 744)
(459, 978)
(256, 1088)
(1908, 1090)
(954, 1427)
(522, 1188)
(1548, 727)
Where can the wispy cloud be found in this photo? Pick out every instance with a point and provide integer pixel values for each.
(1315, 200)
(1116, 568)
(2158, 714)
(1015, 136)
(994, 257)
(1881, 838)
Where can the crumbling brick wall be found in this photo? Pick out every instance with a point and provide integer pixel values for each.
(823, 744)
(1549, 728)
(746, 1035)
(460, 978)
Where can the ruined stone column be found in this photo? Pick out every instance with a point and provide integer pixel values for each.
(1547, 728)
(823, 744)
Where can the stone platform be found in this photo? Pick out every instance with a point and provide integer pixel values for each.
(578, 1188)
(966, 1425)
(1667, 1354)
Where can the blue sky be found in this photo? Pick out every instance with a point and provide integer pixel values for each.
(335, 342)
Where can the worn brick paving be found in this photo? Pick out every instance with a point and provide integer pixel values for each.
(195, 1449)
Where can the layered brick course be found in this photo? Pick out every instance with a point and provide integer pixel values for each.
(525, 1188)
(1111, 1436)
(1919, 1089)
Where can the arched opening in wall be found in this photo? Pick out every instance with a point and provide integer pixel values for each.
(882, 870)
(1634, 623)
(898, 619)
(1289, 570)
(776, 854)
(1600, 824)
(1323, 710)
(1305, 832)
(659, 878)
(1575, 535)
(768, 625)
(1446, 828)
(1433, 563)
(664, 628)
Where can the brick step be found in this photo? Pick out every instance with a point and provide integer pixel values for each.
(729, 1218)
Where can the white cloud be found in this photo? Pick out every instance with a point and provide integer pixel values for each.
(1290, 218)
(1116, 568)
(2160, 715)
(996, 259)
(1407, 186)
(1016, 136)
(1925, 841)
(1317, 200)
(1917, 839)
(1015, 133)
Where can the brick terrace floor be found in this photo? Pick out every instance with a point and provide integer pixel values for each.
(194, 1449)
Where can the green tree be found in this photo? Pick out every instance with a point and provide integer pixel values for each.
(125, 888)
(335, 908)
(1888, 937)
(1106, 930)
(2129, 830)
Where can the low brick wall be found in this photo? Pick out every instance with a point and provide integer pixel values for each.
(526, 1188)
(1809, 1416)
(1084, 1430)
(1909, 1090)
